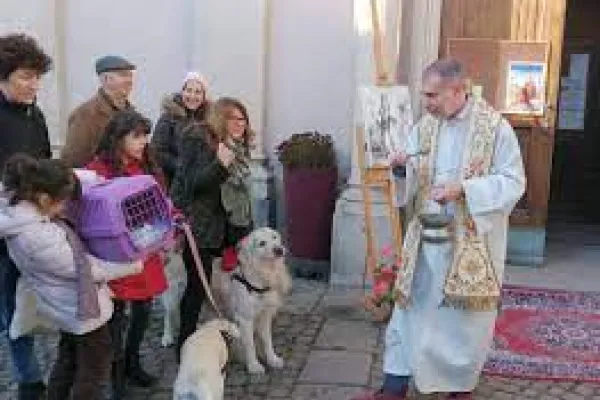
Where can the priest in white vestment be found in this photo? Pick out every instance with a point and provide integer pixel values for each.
(463, 159)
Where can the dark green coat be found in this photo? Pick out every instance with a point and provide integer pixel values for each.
(196, 188)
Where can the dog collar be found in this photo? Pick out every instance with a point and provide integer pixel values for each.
(249, 287)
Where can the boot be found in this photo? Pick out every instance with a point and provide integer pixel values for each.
(117, 380)
(31, 391)
(140, 313)
(135, 372)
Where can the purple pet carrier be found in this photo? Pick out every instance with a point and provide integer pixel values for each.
(124, 219)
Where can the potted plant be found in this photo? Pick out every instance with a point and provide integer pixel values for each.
(309, 178)
(380, 302)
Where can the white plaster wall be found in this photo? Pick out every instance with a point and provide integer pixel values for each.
(151, 33)
(311, 72)
(303, 79)
(229, 48)
(36, 18)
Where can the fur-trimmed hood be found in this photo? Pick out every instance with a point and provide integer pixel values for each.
(172, 106)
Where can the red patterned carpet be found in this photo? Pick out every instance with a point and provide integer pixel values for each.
(547, 334)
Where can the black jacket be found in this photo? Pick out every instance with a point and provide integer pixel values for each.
(22, 130)
(196, 188)
(167, 132)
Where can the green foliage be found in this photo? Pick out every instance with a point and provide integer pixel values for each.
(310, 150)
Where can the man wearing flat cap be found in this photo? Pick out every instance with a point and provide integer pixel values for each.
(88, 121)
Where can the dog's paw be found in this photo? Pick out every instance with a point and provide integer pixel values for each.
(276, 362)
(256, 368)
(167, 341)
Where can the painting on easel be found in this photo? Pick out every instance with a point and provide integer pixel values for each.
(387, 119)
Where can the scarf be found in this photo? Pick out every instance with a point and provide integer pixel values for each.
(235, 191)
(87, 293)
(471, 282)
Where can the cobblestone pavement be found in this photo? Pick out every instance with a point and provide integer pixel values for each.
(331, 349)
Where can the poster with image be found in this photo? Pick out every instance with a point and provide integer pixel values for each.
(387, 119)
(525, 88)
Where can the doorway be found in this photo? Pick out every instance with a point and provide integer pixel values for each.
(573, 227)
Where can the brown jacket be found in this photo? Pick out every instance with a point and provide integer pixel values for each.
(86, 126)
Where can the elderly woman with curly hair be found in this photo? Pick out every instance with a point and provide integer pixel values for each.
(211, 187)
(22, 130)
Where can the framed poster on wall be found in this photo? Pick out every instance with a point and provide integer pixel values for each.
(525, 88)
(524, 76)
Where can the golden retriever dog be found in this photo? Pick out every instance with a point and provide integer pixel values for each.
(253, 293)
(203, 357)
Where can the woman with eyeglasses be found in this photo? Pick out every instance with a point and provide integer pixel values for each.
(211, 187)
(178, 110)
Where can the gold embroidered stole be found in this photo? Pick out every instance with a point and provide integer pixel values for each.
(471, 282)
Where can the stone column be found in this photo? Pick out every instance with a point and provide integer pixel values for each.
(348, 249)
(422, 36)
(262, 173)
(60, 68)
(418, 42)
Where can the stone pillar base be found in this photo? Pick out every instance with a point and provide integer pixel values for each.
(348, 243)
(526, 246)
(262, 192)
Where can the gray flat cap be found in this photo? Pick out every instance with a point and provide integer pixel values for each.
(113, 63)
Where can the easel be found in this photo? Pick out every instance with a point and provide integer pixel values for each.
(377, 175)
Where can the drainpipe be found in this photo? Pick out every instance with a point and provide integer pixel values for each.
(60, 60)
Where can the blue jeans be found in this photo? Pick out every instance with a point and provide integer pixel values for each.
(25, 367)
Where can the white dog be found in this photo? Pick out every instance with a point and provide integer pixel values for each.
(253, 293)
(203, 358)
(171, 298)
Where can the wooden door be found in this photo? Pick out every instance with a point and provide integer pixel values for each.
(528, 21)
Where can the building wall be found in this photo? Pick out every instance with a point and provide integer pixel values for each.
(299, 77)
(311, 71)
(151, 33)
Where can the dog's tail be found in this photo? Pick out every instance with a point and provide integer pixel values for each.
(225, 326)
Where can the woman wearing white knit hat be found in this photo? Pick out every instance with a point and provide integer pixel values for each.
(180, 109)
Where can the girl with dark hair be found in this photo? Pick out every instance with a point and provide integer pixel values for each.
(70, 285)
(123, 151)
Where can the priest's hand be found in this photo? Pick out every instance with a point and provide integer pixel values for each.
(447, 192)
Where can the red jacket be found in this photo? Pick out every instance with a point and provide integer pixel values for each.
(151, 281)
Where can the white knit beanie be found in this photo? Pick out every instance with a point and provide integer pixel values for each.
(195, 76)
